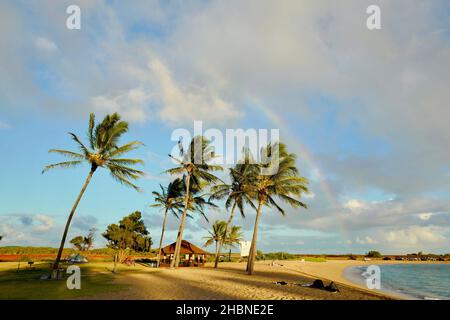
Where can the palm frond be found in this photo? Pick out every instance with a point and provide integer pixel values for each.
(125, 171)
(123, 180)
(240, 206)
(125, 148)
(66, 164)
(156, 205)
(208, 242)
(293, 202)
(272, 202)
(67, 153)
(206, 176)
(114, 134)
(122, 161)
(80, 144)
(91, 136)
(174, 171)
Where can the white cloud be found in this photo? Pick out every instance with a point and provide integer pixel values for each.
(186, 104)
(309, 195)
(425, 216)
(45, 44)
(355, 205)
(161, 96)
(46, 223)
(11, 234)
(4, 125)
(132, 104)
(30, 230)
(415, 235)
(365, 240)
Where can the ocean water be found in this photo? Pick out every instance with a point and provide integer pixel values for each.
(412, 281)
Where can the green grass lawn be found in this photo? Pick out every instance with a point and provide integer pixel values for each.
(315, 259)
(26, 284)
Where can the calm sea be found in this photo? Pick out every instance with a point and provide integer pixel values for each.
(414, 281)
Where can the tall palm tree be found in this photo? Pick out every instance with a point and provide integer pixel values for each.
(284, 184)
(103, 152)
(195, 167)
(236, 194)
(170, 199)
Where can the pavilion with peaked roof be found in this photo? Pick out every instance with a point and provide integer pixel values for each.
(190, 255)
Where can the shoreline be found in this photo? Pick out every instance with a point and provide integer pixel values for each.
(335, 270)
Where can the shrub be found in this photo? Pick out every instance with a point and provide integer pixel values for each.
(260, 255)
(274, 256)
(279, 256)
(373, 254)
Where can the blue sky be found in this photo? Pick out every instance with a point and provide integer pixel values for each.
(365, 111)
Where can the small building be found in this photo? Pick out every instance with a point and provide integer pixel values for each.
(190, 255)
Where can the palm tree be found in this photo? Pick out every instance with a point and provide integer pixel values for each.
(220, 235)
(171, 199)
(236, 194)
(234, 236)
(195, 168)
(283, 183)
(103, 152)
(217, 235)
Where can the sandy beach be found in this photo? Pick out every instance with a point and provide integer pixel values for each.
(333, 270)
(231, 282)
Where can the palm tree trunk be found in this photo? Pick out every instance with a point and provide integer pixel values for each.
(176, 258)
(216, 262)
(217, 248)
(162, 237)
(115, 258)
(252, 254)
(72, 212)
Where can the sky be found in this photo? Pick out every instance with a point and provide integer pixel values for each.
(366, 112)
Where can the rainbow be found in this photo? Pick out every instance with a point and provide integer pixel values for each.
(328, 190)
